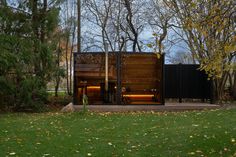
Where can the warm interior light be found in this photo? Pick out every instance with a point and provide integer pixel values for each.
(138, 95)
(93, 87)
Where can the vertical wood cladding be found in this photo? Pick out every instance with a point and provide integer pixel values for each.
(141, 73)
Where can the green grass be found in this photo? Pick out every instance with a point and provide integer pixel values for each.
(206, 133)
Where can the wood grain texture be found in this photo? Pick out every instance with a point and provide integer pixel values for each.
(141, 73)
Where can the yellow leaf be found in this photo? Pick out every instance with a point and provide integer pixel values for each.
(149, 45)
(230, 48)
(158, 55)
(154, 34)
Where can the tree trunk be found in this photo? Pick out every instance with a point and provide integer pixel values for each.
(218, 91)
(43, 22)
(131, 26)
(56, 88)
(78, 27)
(67, 66)
(67, 46)
(162, 37)
(35, 17)
(36, 34)
(75, 90)
(58, 66)
(3, 2)
(71, 64)
(234, 86)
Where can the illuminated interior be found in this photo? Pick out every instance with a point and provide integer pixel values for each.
(138, 95)
(93, 87)
(140, 78)
(94, 93)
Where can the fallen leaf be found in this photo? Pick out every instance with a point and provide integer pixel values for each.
(12, 153)
(233, 140)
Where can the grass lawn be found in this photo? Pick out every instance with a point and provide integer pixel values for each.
(206, 133)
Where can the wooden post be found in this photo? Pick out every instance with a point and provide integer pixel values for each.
(106, 73)
(118, 74)
(106, 67)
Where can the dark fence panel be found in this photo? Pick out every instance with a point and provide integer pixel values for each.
(186, 81)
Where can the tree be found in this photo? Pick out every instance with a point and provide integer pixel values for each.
(113, 21)
(160, 18)
(58, 72)
(69, 27)
(232, 79)
(26, 46)
(210, 33)
(100, 12)
(131, 26)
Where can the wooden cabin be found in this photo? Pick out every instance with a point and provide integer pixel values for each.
(141, 78)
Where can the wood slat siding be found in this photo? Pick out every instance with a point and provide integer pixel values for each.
(140, 72)
(141, 66)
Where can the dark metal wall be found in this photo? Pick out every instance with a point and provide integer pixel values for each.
(186, 81)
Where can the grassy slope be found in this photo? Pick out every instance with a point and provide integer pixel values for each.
(208, 133)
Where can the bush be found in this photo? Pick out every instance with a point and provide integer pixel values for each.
(32, 95)
(60, 100)
(57, 103)
(27, 94)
